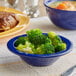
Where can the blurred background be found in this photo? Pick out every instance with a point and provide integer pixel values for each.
(34, 8)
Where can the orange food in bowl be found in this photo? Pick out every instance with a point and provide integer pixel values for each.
(62, 6)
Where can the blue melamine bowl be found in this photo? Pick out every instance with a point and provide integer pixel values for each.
(36, 59)
(61, 18)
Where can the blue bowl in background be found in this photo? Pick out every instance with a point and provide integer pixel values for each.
(37, 59)
(61, 18)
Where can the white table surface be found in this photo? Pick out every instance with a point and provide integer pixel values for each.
(12, 65)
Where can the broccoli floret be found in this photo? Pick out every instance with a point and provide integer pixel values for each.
(51, 34)
(28, 47)
(60, 47)
(45, 49)
(20, 40)
(38, 43)
(33, 32)
(20, 47)
(57, 42)
(36, 37)
(47, 40)
(55, 38)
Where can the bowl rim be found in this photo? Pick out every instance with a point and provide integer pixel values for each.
(15, 51)
(44, 2)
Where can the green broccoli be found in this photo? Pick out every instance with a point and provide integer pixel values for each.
(33, 32)
(36, 37)
(55, 38)
(38, 43)
(57, 42)
(27, 47)
(47, 40)
(60, 47)
(45, 49)
(20, 40)
(51, 34)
